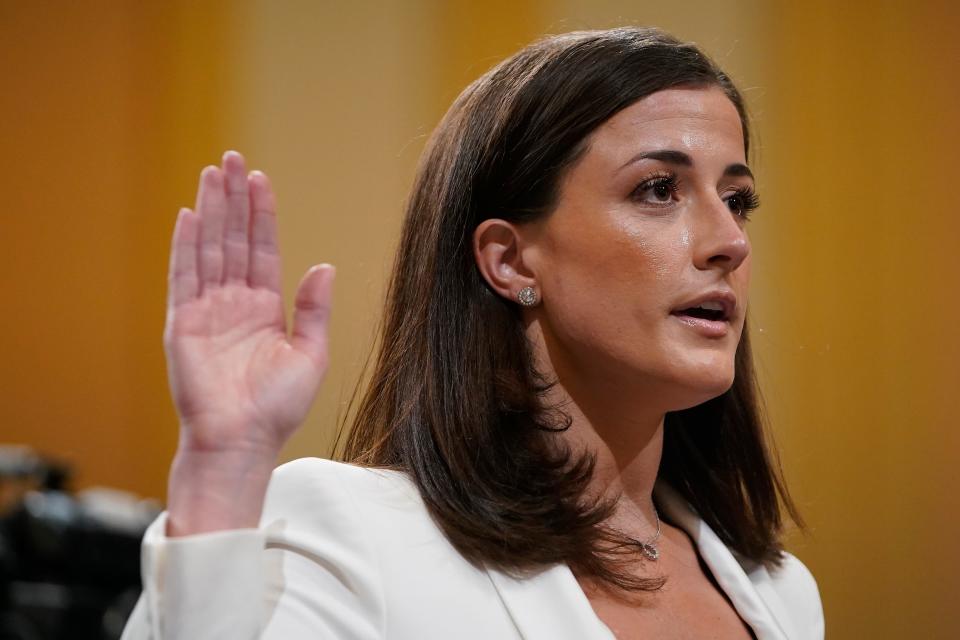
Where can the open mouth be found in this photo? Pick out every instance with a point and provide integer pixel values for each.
(706, 310)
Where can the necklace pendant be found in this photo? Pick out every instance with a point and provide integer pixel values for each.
(650, 551)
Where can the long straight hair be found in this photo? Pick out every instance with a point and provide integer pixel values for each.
(454, 399)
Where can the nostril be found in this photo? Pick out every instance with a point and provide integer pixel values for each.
(720, 259)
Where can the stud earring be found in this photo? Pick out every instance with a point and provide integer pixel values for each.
(528, 297)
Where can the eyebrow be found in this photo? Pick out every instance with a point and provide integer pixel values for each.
(671, 156)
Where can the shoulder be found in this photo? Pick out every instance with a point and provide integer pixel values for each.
(319, 501)
(374, 511)
(794, 580)
(788, 590)
(325, 525)
(370, 528)
(311, 471)
(792, 588)
(326, 489)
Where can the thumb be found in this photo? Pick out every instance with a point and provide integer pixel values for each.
(311, 313)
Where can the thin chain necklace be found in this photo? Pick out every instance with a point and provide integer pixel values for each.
(648, 546)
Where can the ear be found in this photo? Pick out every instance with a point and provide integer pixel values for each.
(497, 248)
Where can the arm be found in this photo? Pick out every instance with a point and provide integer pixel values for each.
(241, 387)
(309, 571)
(240, 384)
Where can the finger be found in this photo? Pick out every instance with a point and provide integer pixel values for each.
(212, 209)
(236, 243)
(183, 283)
(264, 251)
(311, 313)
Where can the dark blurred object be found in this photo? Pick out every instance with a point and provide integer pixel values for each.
(69, 563)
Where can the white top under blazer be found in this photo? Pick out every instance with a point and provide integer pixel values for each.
(346, 552)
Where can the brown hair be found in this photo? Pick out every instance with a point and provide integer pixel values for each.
(454, 400)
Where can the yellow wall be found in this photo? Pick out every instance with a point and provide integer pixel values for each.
(108, 108)
(108, 114)
(861, 305)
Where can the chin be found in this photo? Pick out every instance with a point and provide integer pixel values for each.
(702, 384)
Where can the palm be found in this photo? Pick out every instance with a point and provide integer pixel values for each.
(238, 381)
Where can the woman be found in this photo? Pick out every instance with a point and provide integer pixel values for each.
(560, 438)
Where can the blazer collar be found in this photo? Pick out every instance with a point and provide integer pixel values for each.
(726, 569)
(552, 606)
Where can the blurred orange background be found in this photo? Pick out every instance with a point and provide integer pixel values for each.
(110, 109)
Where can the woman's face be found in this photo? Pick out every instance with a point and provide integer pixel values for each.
(650, 223)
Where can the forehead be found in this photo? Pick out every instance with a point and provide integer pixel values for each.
(698, 121)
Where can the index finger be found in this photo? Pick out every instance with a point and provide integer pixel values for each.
(183, 282)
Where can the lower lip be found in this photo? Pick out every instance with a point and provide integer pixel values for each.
(708, 328)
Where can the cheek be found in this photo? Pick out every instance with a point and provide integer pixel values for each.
(651, 256)
(670, 257)
(615, 277)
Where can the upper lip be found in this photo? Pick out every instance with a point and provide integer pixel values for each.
(724, 297)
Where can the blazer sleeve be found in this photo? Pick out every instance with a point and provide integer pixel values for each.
(309, 571)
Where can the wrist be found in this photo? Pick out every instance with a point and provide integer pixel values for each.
(217, 490)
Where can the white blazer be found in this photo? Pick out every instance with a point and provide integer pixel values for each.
(351, 553)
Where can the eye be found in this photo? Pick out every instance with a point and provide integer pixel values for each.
(659, 190)
(743, 201)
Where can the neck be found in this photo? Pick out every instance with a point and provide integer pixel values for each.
(620, 430)
(628, 454)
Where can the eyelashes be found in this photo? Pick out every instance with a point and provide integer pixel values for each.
(657, 187)
(661, 190)
(746, 200)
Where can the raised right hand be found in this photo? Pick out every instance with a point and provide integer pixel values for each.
(240, 385)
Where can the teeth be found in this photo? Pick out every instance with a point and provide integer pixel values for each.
(712, 306)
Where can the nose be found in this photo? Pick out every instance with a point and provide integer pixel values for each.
(722, 241)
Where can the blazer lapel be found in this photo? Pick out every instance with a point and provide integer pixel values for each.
(549, 606)
(728, 572)
(552, 606)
